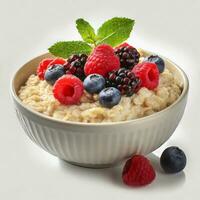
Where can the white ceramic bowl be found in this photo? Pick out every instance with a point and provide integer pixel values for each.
(97, 144)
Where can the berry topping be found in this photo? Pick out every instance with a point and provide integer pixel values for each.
(138, 171)
(46, 63)
(124, 80)
(109, 97)
(101, 61)
(173, 160)
(158, 61)
(60, 61)
(123, 45)
(75, 65)
(128, 55)
(53, 73)
(94, 83)
(43, 65)
(68, 89)
(148, 74)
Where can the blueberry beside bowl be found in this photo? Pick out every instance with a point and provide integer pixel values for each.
(98, 144)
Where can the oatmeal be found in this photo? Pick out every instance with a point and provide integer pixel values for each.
(37, 94)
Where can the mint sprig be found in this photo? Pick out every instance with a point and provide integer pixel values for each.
(65, 49)
(112, 32)
(115, 31)
(86, 31)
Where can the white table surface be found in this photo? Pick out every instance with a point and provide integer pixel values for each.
(27, 29)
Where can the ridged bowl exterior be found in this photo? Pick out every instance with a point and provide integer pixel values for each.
(99, 145)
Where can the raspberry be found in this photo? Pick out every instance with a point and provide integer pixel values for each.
(101, 61)
(57, 61)
(124, 80)
(138, 171)
(75, 65)
(68, 89)
(46, 63)
(128, 55)
(42, 67)
(148, 74)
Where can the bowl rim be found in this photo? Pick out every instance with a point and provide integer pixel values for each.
(156, 114)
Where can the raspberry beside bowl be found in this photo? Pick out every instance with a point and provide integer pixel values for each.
(98, 144)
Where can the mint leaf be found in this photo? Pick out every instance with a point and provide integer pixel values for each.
(86, 31)
(65, 49)
(115, 31)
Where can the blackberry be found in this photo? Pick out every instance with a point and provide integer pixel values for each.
(128, 56)
(124, 80)
(75, 65)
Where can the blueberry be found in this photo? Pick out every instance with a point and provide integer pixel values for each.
(173, 160)
(94, 83)
(109, 97)
(158, 61)
(53, 73)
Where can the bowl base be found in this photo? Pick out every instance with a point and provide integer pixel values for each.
(93, 166)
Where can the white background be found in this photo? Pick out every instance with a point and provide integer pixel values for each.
(27, 29)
